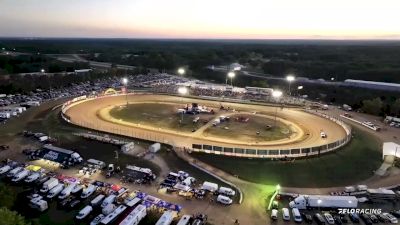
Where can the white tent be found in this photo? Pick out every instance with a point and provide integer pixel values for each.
(391, 149)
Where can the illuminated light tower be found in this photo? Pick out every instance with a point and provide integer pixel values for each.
(181, 71)
(182, 91)
(231, 75)
(125, 83)
(290, 79)
(276, 94)
(42, 70)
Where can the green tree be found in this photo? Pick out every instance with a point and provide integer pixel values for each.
(7, 196)
(374, 106)
(395, 108)
(8, 217)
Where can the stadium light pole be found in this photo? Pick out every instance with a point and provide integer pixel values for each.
(276, 94)
(125, 83)
(181, 71)
(290, 79)
(231, 75)
(182, 91)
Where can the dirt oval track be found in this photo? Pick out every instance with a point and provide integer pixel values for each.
(86, 114)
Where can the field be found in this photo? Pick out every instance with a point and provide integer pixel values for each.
(258, 128)
(160, 115)
(355, 162)
(165, 116)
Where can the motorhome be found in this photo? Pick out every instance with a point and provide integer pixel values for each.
(114, 215)
(88, 191)
(5, 169)
(14, 171)
(135, 216)
(38, 203)
(31, 178)
(21, 175)
(84, 212)
(97, 219)
(55, 191)
(166, 218)
(97, 200)
(67, 191)
(185, 219)
(110, 199)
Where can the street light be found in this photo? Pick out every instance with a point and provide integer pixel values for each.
(182, 91)
(276, 94)
(181, 71)
(290, 79)
(231, 75)
(42, 70)
(125, 83)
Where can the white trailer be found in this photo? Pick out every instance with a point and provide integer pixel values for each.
(55, 190)
(135, 216)
(52, 182)
(166, 218)
(88, 191)
(208, 186)
(323, 201)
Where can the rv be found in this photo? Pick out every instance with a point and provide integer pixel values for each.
(226, 191)
(114, 215)
(38, 203)
(135, 216)
(110, 199)
(67, 191)
(184, 220)
(166, 218)
(31, 178)
(84, 212)
(55, 191)
(96, 201)
(51, 183)
(14, 171)
(108, 209)
(97, 219)
(21, 175)
(224, 200)
(5, 169)
(89, 191)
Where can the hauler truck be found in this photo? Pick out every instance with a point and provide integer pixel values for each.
(323, 201)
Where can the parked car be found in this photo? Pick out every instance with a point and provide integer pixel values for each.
(307, 217)
(274, 214)
(366, 219)
(329, 218)
(354, 217)
(337, 220)
(319, 219)
(74, 204)
(391, 218)
(285, 214)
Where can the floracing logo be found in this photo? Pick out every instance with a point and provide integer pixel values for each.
(360, 211)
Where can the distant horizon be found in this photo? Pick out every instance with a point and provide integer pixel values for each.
(205, 19)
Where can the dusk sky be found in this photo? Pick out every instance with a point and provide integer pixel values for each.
(250, 19)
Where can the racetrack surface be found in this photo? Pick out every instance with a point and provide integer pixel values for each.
(309, 126)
